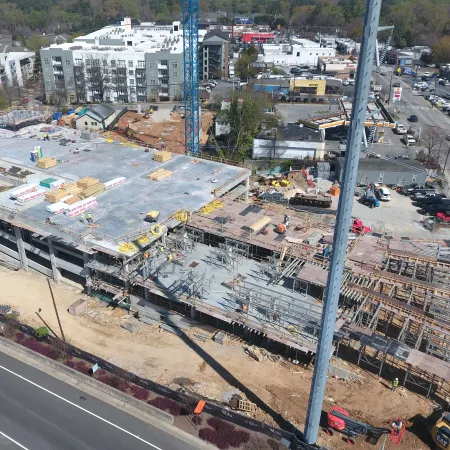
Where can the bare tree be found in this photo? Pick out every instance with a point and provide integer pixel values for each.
(98, 78)
(80, 82)
(431, 141)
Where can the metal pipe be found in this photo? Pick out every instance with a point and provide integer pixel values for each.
(359, 109)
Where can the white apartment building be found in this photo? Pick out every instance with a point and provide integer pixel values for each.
(121, 64)
(16, 67)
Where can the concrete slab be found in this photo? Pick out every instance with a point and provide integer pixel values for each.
(122, 209)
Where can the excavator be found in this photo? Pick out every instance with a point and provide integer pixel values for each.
(440, 433)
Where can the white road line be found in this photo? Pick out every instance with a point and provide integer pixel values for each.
(12, 440)
(82, 409)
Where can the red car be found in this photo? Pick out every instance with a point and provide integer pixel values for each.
(443, 216)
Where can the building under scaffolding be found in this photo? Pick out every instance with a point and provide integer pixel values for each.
(225, 263)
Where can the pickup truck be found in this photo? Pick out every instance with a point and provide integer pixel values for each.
(432, 200)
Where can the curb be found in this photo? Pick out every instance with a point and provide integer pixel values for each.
(98, 385)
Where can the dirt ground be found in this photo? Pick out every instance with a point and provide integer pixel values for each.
(210, 368)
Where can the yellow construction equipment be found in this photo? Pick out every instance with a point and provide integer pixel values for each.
(275, 183)
(182, 215)
(152, 216)
(285, 183)
(440, 432)
(156, 229)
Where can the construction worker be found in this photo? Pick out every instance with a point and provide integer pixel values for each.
(394, 384)
(46, 138)
(169, 257)
(89, 217)
(397, 426)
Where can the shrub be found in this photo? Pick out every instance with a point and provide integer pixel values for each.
(223, 434)
(41, 332)
(166, 405)
(19, 336)
(139, 392)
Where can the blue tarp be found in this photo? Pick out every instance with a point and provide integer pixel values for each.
(57, 115)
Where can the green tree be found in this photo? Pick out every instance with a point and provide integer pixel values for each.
(441, 50)
(244, 66)
(35, 42)
(38, 20)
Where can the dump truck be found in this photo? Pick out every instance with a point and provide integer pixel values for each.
(316, 200)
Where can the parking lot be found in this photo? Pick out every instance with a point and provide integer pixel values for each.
(395, 217)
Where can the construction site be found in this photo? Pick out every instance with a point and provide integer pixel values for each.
(169, 235)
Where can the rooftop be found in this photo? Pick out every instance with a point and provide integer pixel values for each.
(388, 166)
(121, 210)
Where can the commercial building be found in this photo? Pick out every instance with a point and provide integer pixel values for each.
(398, 57)
(297, 52)
(16, 66)
(374, 170)
(338, 66)
(290, 141)
(118, 63)
(215, 55)
(306, 86)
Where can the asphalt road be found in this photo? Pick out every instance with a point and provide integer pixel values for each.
(39, 412)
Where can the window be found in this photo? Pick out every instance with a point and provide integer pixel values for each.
(132, 90)
(129, 43)
(46, 61)
(105, 62)
(130, 63)
(49, 79)
(93, 123)
(131, 72)
(78, 61)
(414, 178)
(298, 53)
(380, 178)
(151, 73)
(151, 64)
(132, 81)
(141, 64)
(67, 60)
(175, 65)
(88, 62)
(175, 74)
(85, 123)
(70, 80)
(152, 82)
(113, 63)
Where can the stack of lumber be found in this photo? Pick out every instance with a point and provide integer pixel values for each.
(93, 190)
(72, 188)
(46, 163)
(159, 175)
(86, 182)
(162, 156)
(55, 195)
(71, 200)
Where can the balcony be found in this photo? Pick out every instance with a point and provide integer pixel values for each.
(163, 94)
(56, 63)
(140, 84)
(163, 67)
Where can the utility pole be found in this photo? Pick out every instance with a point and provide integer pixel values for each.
(340, 239)
(56, 310)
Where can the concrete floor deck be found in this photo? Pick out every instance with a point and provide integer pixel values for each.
(172, 281)
(122, 209)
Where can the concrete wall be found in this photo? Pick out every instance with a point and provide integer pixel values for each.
(287, 149)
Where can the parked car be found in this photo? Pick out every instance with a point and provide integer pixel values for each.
(409, 140)
(434, 209)
(413, 118)
(345, 82)
(432, 199)
(401, 129)
(443, 216)
(384, 194)
(396, 84)
(402, 157)
(295, 71)
(426, 74)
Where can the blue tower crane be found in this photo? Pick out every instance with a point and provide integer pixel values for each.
(191, 77)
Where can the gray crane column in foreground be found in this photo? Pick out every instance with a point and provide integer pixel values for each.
(21, 249)
(343, 218)
(55, 271)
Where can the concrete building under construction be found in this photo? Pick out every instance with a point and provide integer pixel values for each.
(214, 255)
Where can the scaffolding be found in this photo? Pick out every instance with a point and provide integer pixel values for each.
(185, 240)
(282, 311)
(229, 254)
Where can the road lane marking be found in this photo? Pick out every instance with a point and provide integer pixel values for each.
(81, 408)
(12, 440)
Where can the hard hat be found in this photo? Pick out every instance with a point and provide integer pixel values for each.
(396, 379)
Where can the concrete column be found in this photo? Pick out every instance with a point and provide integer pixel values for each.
(55, 271)
(247, 185)
(146, 294)
(87, 274)
(21, 249)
